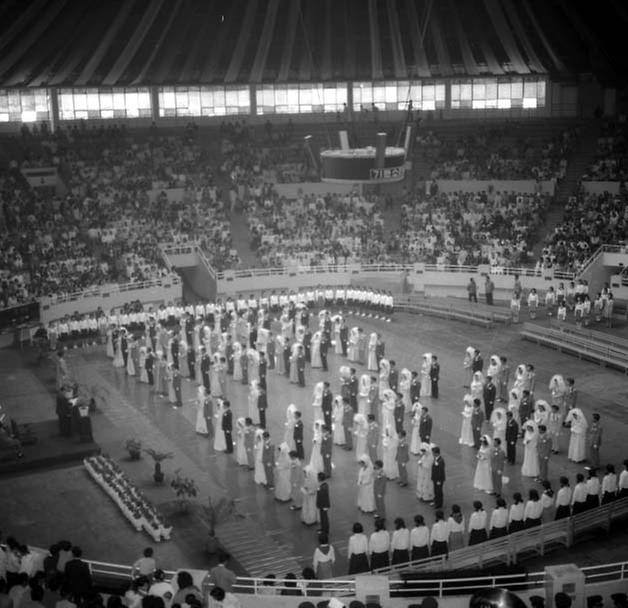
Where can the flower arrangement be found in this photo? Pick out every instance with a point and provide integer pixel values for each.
(185, 489)
(133, 504)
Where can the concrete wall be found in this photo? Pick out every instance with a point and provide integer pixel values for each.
(601, 187)
(504, 185)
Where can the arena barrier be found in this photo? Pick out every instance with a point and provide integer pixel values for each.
(527, 186)
(430, 279)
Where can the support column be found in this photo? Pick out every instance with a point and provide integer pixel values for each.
(154, 104)
(349, 116)
(253, 100)
(53, 96)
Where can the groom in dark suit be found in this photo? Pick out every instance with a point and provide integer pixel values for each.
(227, 426)
(438, 477)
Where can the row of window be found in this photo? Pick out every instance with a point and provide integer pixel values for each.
(30, 105)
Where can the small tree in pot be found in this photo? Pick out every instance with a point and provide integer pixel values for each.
(134, 448)
(158, 458)
(185, 489)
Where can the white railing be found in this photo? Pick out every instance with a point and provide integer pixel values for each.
(172, 279)
(435, 586)
(203, 258)
(357, 267)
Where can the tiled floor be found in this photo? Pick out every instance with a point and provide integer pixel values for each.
(133, 410)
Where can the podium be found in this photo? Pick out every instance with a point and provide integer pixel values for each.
(566, 578)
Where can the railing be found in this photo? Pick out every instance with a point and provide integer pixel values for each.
(106, 290)
(357, 267)
(203, 258)
(506, 548)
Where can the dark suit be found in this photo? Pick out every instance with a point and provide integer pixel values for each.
(415, 390)
(301, 369)
(425, 428)
(477, 364)
(477, 420)
(191, 355)
(398, 413)
(438, 478)
(148, 366)
(344, 338)
(512, 434)
(205, 365)
(490, 393)
(262, 406)
(544, 449)
(298, 439)
(347, 425)
(323, 505)
(393, 380)
(353, 392)
(263, 366)
(268, 460)
(286, 360)
(307, 345)
(324, 348)
(227, 428)
(498, 458)
(402, 461)
(78, 577)
(326, 454)
(270, 353)
(434, 377)
(326, 406)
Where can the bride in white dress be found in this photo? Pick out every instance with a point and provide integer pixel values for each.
(389, 451)
(338, 412)
(577, 450)
(260, 473)
(371, 361)
(498, 420)
(405, 380)
(363, 394)
(426, 383)
(337, 320)
(354, 342)
(415, 438)
(201, 421)
(466, 432)
(316, 350)
(366, 497)
(288, 434)
(316, 459)
(241, 457)
(482, 479)
(530, 466)
(384, 374)
(477, 386)
(252, 400)
(220, 445)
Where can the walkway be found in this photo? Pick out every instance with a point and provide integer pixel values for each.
(242, 240)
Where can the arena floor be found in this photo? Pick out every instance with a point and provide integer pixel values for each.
(271, 538)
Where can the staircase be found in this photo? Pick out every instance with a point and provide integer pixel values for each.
(241, 237)
(581, 158)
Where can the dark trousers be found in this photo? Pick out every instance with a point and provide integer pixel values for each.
(262, 417)
(488, 410)
(496, 478)
(434, 389)
(324, 517)
(403, 473)
(327, 418)
(206, 381)
(151, 378)
(477, 434)
(301, 377)
(229, 442)
(192, 370)
(543, 465)
(489, 298)
(270, 475)
(473, 297)
(438, 495)
(511, 452)
(324, 361)
(348, 437)
(299, 450)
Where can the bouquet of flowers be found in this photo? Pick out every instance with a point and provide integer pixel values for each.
(134, 505)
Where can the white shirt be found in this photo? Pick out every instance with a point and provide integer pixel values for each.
(623, 480)
(516, 512)
(477, 521)
(400, 539)
(579, 493)
(379, 542)
(609, 483)
(563, 497)
(533, 509)
(419, 536)
(454, 526)
(230, 601)
(358, 543)
(499, 517)
(320, 557)
(593, 486)
(440, 532)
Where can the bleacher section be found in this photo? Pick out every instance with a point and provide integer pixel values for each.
(605, 349)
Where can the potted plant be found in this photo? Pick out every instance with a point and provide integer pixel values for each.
(216, 512)
(134, 448)
(158, 458)
(185, 489)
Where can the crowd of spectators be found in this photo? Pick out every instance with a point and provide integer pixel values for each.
(611, 157)
(106, 225)
(590, 220)
(316, 230)
(496, 228)
(497, 152)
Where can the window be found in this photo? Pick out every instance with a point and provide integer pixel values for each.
(24, 105)
(304, 98)
(203, 101)
(103, 104)
(395, 95)
(488, 93)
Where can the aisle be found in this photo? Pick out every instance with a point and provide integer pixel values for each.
(242, 241)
